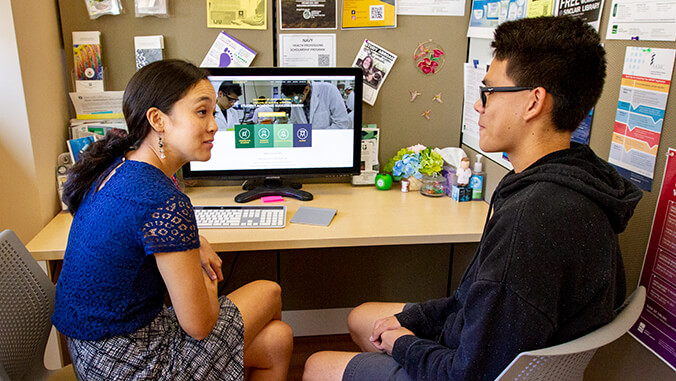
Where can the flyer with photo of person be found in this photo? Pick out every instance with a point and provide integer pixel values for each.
(376, 62)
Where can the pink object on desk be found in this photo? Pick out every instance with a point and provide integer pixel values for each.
(266, 199)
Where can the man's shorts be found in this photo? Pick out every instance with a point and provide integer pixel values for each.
(374, 366)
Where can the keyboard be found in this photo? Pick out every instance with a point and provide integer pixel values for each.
(244, 216)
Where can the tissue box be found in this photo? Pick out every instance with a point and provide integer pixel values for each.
(448, 171)
(461, 194)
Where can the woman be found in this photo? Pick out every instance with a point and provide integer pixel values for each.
(134, 237)
(367, 68)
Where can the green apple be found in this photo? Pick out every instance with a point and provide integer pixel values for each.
(383, 181)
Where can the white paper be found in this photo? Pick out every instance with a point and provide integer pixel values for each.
(642, 20)
(375, 75)
(473, 78)
(227, 51)
(431, 7)
(307, 50)
(105, 104)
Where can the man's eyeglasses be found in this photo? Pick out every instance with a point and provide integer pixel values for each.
(233, 100)
(508, 89)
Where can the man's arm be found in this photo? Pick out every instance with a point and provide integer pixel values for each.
(496, 324)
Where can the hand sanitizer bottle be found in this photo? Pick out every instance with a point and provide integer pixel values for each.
(476, 182)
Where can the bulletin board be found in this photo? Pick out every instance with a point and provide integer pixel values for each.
(402, 123)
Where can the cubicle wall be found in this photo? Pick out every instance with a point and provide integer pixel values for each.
(401, 122)
(187, 37)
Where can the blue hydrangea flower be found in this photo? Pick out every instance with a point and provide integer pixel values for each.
(408, 166)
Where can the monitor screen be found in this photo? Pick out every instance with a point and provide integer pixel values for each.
(284, 122)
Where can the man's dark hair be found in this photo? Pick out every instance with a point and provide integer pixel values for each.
(290, 88)
(562, 54)
(228, 87)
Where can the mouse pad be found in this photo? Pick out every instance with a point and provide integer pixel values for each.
(313, 216)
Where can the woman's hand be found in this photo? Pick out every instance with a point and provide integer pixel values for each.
(211, 262)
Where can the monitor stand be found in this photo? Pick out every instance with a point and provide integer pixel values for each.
(272, 187)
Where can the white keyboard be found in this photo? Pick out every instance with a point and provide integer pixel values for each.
(245, 216)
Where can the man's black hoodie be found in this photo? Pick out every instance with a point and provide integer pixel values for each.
(548, 269)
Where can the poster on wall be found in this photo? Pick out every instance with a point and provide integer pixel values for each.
(307, 50)
(308, 14)
(486, 15)
(587, 10)
(644, 89)
(656, 327)
(473, 77)
(237, 14)
(369, 14)
(642, 20)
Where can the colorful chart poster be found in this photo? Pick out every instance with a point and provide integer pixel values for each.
(369, 14)
(646, 78)
(308, 14)
(656, 327)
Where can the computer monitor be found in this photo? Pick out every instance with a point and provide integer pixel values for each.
(288, 123)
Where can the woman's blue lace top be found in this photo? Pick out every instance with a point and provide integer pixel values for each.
(110, 284)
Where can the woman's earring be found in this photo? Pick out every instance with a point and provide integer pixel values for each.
(161, 145)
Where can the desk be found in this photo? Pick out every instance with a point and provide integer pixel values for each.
(366, 217)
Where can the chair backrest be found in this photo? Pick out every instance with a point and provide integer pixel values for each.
(27, 300)
(567, 361)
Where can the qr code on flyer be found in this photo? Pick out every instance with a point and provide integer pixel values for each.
(377, 12)
(323, 60)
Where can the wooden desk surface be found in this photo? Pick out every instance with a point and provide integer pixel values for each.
(366, 217)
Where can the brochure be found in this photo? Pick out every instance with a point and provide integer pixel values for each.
(87, 61)
(227, 51)
(376, 62)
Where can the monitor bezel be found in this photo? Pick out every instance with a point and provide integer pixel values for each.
(294, 173)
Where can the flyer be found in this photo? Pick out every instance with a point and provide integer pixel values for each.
(376, 62)
(656, 327)
(87, 61)
(486, 15)
(644, 89)
(237, 14)
(473, 78)
(307, 50)
(431, 7)
(227, 51)
(369, 14)
(642, 20)
(588, 10)
(308, 14)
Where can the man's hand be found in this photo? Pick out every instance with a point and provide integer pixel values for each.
(388, 338)
(383, 325)
(211, 262)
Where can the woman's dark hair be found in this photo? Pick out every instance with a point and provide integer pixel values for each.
(159, 84)
(562, 54)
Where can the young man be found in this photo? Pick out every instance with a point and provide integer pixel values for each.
(226, 116)
(317, 103)
(548, 268)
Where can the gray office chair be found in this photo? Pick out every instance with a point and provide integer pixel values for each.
(567, 361)
(27, 300)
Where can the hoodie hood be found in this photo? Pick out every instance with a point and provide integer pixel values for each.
(579, 169)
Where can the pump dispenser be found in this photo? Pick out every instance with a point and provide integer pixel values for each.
(476, 182)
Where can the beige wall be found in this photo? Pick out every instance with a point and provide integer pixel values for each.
(32, 115)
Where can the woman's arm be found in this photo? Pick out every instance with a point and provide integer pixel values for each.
(194, 295)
